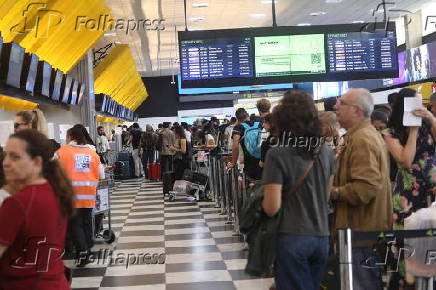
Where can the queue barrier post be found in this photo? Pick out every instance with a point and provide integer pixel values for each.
(345, 259)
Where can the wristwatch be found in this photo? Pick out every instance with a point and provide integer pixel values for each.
(335, 195)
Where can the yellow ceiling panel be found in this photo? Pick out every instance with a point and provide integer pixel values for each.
(57, 31)
(117, 77)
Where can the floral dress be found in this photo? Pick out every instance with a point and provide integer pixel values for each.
(412, 186)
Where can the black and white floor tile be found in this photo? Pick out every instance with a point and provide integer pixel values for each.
(191, 241)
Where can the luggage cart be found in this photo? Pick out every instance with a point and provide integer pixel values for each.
(102, 209)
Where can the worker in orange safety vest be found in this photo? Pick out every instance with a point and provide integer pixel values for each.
(83, 167)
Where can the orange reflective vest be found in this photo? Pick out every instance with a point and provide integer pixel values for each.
(82, 167)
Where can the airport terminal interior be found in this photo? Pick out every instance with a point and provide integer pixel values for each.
(217, 144)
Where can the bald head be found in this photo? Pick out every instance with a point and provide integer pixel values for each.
(363, 99)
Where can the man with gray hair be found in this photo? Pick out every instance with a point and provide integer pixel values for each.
(361, 185)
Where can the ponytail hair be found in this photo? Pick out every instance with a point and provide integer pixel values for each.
(37, 145)
(36, 118)
(61, 185)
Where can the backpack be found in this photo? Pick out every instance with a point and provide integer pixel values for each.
(149, 140)
(159, 143)
(252, 139)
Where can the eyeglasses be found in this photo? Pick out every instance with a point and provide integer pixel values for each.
(16, 125)
(342, 103)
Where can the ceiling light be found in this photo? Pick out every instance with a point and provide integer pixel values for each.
(318, 13)
(333, 1)
(357, 21)
(195, 19)
(304, 24)
(200, 5)
(257, 15)
(268, 2)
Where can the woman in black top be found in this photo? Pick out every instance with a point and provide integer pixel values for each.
(266, 144)
(180, 157)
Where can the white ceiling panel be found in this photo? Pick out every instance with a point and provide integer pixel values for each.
(156, 52)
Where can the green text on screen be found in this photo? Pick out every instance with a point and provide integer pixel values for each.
(289, 55)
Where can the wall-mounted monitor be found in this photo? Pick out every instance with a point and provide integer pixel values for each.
(16, 59)
(257, 56)
(81, 93)
(31, 70)
(46, 77)
(416, 64)
(74, 92)
(67, 91)
(56, 94)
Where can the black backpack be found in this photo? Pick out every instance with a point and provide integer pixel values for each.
(149, 140)
(159, 143)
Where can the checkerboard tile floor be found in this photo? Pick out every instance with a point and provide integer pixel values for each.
(191, 242)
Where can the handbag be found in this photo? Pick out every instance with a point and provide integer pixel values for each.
(261, 230)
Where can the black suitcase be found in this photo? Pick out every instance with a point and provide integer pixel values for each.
(122, 170)
(124, 156)
(195, 177)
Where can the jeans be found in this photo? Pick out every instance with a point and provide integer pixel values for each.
(366, 275)
(148, 157)
(300, 262)
(137, 160)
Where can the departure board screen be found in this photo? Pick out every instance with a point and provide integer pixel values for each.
(216, 58)
(289, 55)
(355, 51)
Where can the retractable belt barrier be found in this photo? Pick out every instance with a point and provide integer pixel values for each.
(227, 186)
(346, 237)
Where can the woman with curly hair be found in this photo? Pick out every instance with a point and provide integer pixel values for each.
(302, 243)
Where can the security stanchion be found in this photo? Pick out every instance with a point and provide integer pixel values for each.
(345, 259)
(236, 199)
(220, 177)
(227, 193)
(421, 256)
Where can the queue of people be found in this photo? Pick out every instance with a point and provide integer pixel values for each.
(343, 181)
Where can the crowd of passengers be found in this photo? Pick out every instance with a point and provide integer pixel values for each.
(369, 172)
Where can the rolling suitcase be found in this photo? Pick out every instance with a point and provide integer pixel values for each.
(123, 166)
(154, 170)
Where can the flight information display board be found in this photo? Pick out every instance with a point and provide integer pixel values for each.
(216, 58)
(277, 55)
(350, 52)
(289, 55)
